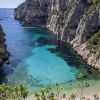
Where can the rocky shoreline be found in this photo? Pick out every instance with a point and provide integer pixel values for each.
(4, 55)
(33, 12)
(73, 21)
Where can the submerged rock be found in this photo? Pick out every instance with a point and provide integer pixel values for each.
(76, 22)
(73, 21)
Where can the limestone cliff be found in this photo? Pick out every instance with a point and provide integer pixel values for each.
(76, 22)
(73, 21)
(33, 12)
(3, 52)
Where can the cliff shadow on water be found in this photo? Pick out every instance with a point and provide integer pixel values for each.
(39, 52)
(66, 52)
(73, 21)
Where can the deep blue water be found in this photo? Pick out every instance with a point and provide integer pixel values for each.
(37, 59)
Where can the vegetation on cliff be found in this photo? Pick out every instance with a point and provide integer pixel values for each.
(73, 21)
(94, 43)
(93, 2)
(3, 52)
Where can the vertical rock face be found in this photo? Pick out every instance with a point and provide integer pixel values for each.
(3, 52)
(73, 21)
(33, 12)
(87, 28)
(64, 21)
(88, 25)
(76, 23)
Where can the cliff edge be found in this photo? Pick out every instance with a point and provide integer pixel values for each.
(33, 12)
(4, 55)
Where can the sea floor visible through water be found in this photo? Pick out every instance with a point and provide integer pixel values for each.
(38, 59)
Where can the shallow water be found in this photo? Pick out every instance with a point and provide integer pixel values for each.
(37, 59)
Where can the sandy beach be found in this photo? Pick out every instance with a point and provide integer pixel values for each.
(88, 93)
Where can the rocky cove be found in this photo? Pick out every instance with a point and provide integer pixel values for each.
(54, 50)
(73, 21)
(37, 58)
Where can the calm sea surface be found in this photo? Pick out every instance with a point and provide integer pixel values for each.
(37, 59)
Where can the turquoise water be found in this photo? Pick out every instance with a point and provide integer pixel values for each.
(49, 68)
(37, 59)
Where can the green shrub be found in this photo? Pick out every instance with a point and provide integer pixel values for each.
(13, 93)
(2, 50)
(93, 2)
(94, 43)
(48, 94)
